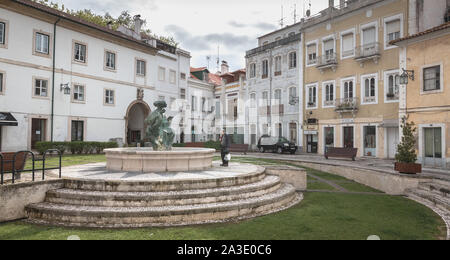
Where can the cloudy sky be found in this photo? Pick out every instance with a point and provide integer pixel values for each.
(200, 26)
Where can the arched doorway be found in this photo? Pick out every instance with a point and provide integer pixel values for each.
(135, 126)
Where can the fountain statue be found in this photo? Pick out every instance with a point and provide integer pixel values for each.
(159, 133)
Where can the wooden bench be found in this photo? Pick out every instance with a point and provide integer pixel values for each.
(239, 148)
(8, 162)
(341, 153)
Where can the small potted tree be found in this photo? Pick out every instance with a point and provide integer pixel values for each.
(406, 156)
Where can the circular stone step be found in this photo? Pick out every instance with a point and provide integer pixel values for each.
(133, 217)
(95, 177)
(149, 199)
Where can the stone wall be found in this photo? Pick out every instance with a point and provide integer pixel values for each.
(14, 198)
(294, 176)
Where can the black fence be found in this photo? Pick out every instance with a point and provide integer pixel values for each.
(17, 164)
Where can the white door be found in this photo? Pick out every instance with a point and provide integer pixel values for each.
(392, 141)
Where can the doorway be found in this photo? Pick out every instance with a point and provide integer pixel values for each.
(293, 132)
(349, 137)
(137, 112)
(433, 146)
(312, 143)
(38, 131)
(392, 141)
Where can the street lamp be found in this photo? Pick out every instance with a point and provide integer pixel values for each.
(403, 79)
(65, 88)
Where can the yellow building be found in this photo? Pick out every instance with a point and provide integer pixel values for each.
(426, 99)
(351, 97)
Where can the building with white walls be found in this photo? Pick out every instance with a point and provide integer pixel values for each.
(274, 86)
(65, 79)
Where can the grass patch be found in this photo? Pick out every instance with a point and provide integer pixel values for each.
(68, 160)
(319, 216)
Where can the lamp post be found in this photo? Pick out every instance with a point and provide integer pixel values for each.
(406, 75)
(65, 88)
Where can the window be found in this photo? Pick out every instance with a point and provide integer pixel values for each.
(42, 42)
(348, 90)
(370, 140)
(391, 87)
(77, 130)
(183, 76)
(278, 97)
(328, 94)
(265, 69)
(278, 66)
(161, 74)
(369, 84)
(217, 109)
(2, 33)
(328, 49)
(110, 58)
(252, 70)
(253, 100)
(348, 45)
(312, 96)
(2, 87)
(293, 96)
(78, 93)
(109, 97)
(40, 88)
(193, 103)
(203, 104)
(293, 60)
(172, 77)
(369, 36)
(265, 43)
(265, 96)
(140, 67)
(432, 78)
(392, 30)
(329, 137)
(312, 54)
(183, 94)
(80, 52)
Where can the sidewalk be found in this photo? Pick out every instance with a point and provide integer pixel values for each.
(382, 165)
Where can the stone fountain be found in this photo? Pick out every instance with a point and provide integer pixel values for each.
(161, 157)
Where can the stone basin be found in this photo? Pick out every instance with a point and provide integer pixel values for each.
(146, 160)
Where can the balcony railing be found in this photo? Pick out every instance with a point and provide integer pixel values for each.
(368, 51)
(326, 60)
(346, 105)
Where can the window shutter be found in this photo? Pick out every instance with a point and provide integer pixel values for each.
(328, 45)
(311, 48)
(347, 42)
(393, 27)
(369, 35)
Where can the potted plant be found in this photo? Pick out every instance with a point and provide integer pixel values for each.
(406, 156)
(390, 95)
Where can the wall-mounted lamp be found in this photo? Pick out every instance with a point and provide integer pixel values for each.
(65, 88)
(403, 79)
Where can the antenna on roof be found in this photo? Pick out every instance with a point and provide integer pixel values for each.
(295, 13)
(308, 12)
(282, 18)
(218, 57)
(208, 59)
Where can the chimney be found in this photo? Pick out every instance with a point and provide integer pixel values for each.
(109, 25)
(138, 22)
(330, 3)
(224, 67)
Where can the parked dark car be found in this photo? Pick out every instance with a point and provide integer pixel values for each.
(276, 144)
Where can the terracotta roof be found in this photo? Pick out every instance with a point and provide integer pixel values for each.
(75, 19)
(194, 77)
(215, 79)
(435, 29)
(198, 69)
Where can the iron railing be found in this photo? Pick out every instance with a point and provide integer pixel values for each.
(33, 169)
(368, 50)
(346, 104)
(326, 60)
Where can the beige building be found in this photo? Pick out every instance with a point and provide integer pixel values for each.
(426, 97)
(351, 96)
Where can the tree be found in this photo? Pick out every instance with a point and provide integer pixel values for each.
(406, 150)
(125, 19)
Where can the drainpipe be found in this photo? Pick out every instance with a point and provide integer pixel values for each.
(53, 80)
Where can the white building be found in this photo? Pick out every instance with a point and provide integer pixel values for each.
(274, 86)
(114, 78)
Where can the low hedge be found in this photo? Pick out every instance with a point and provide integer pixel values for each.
(75, 147)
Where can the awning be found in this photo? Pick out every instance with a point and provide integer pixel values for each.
(7, 119)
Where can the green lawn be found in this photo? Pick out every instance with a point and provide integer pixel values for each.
(318, 216)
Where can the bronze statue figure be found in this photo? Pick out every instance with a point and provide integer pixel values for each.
(159, 133)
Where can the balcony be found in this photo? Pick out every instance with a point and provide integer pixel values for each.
(346, 105)
(368, 52)
(327, 62)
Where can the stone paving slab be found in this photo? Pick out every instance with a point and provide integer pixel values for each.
(98, 171)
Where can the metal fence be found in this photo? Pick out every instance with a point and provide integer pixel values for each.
(4, 162)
